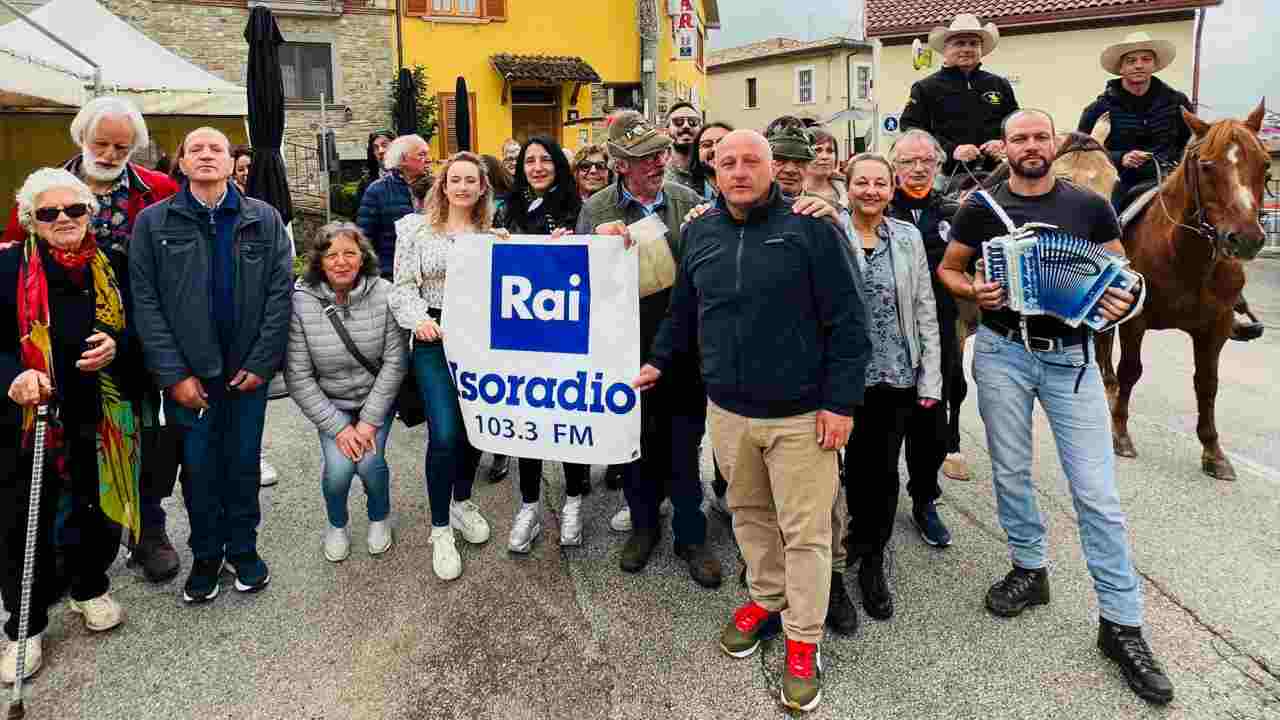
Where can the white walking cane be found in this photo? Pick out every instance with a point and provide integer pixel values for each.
(29, 559)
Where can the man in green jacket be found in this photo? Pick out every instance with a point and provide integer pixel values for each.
(673, 420)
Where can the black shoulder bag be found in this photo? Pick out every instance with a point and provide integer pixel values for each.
(408, 400)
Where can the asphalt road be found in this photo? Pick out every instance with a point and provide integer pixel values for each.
(565, 634)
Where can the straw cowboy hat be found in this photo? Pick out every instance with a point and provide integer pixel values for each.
(966, 24)
(1164, 51)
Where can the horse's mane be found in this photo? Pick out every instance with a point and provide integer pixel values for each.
(1079, 142)
(1222, 134)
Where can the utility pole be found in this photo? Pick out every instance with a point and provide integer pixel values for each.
(649, 28)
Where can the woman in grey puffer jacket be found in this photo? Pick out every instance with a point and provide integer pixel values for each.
(351, 407)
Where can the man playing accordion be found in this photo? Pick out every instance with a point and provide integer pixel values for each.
(1018, 360)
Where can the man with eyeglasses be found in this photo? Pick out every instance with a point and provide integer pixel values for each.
(683, 123)
(916, 157)
(962, 105)
(390, 198)
(674, 417)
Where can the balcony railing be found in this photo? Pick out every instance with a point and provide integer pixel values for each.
(327, 8)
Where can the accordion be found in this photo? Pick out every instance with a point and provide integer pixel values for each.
(1048, 272)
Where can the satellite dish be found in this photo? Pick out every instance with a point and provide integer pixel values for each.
(921, 55)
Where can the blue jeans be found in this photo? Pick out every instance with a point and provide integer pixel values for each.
(1009, 380)
(338, 470)
(451, 461)
(221, 453)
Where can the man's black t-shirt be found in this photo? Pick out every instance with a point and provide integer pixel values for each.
(1073, 209)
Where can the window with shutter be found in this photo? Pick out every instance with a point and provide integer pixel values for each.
(448, 121)
(416, 7)
(495, 9)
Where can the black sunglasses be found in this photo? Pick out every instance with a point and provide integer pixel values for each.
(73, 211)
(692, 122)
(587, 166)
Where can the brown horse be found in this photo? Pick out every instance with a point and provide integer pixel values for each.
(1190, 244)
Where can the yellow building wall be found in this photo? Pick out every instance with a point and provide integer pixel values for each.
(602, 33)
(30, 141)
(1057, 73)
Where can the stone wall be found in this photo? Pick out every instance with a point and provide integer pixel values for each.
(212, 36)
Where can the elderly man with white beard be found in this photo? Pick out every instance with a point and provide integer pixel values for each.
(108, 131)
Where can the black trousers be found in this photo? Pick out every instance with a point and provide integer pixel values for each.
(670, 438)
(161, 456)
(576, 478)
(871, 465)
(96, 539)
(934, 432)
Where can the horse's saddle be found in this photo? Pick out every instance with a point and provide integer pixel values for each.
(1136, 202)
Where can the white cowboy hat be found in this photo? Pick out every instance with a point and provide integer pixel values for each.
(1164, 51)
(966, 24)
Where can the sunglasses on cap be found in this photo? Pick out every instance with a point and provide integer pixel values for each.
(73, 211)
(587, 166)
(692, 122)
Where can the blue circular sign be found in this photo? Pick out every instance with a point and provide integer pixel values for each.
(891, 123)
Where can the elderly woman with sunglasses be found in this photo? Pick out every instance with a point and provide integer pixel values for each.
(591, 170)
(64, 343)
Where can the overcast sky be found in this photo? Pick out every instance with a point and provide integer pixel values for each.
(1241, 46)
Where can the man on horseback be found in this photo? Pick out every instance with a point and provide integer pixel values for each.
(1018, 360)
(1146, 129)
(1146, 125)
(962, 105)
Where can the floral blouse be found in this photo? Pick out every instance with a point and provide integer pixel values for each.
(421, 260)
(890, 362)
(111, 225)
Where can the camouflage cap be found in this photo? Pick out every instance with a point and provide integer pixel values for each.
(631, 137)
(792, 143)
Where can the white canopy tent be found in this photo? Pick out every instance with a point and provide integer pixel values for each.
(35, 72)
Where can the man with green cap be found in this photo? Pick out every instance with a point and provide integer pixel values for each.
(674, 417)
(792, 152)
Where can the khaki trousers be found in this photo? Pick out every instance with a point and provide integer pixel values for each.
(782, 492)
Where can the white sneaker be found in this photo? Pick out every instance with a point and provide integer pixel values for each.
(444, 556)
(526, 528)
(33, 660)
(100, 613)
(665, 508)
(465, 517)
(571, 521)
(337, 543)
(269, 475)
(621, 520)
(379, 539)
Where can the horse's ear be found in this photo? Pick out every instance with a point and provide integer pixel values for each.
(1254, 121)
(1198, 126)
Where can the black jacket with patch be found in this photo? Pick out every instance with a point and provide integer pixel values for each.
(960, 109)
(1151, 122)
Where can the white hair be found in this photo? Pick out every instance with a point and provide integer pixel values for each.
(86, 121)
(398, 148)
(918, 134)
(41, 182)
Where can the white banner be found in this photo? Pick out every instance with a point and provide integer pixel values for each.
(543, 340)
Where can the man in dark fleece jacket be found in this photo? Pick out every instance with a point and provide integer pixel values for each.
(768, 299)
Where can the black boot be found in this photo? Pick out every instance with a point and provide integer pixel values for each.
(842, 617)
(1018, 590)
(876, 599)
(1126, 646)
(156, 555)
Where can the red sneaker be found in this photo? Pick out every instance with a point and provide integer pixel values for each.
(802, 680)
(751, 623)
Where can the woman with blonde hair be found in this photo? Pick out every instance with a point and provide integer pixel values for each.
(459, 203)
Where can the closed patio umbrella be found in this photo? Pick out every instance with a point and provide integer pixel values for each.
(462, 120)
(406, 104)
(268, 179)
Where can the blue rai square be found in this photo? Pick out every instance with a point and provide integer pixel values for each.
(541, 298)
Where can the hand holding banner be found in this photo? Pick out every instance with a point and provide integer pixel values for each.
(543, 337)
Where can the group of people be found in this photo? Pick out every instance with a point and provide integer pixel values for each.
(811, 332)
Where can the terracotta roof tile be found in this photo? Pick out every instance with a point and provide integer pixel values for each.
(888, 17)
(555, 68)
(767, 48)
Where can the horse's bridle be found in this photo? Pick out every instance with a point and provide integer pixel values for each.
(1218, 241)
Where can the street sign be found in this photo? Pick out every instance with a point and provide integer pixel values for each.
(891, 123)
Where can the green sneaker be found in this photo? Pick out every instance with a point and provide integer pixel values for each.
(751, 623)
(802, 678)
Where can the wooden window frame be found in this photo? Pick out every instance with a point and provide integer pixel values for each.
(753, 94)
(486, 11)
(454, 11)
(446, 130)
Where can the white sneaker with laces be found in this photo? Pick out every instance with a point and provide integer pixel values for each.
(337, 543)
(526, 528)
(621, 520)
(33, 660)
(465, 517)
(665, 508)
(444, 556)
(379, 539)
(571, 521)
(100, 613)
